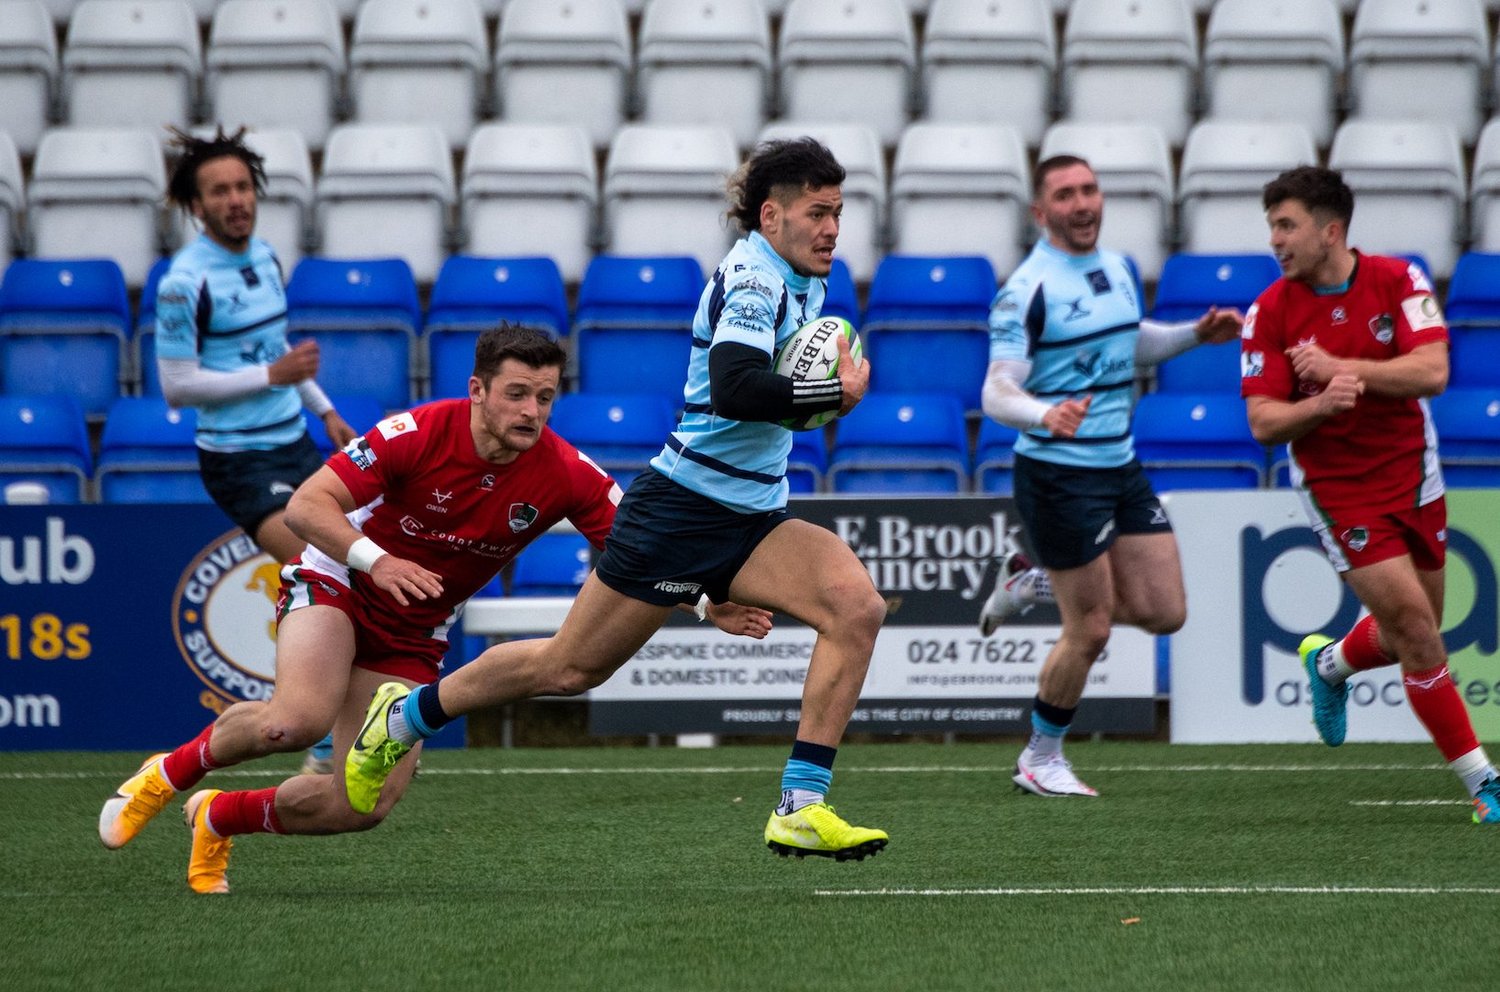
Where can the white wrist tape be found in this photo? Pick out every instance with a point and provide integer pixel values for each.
(364, 553)
(702, 608)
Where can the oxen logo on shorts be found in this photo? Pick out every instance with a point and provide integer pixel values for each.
(1355, 538)
(224, 619)
(522, 515)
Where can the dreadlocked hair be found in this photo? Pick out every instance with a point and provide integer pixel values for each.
(193, 152)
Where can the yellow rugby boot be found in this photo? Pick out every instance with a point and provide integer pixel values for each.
(375, 753)
(127, 812)
(210, 857)
(817, 829)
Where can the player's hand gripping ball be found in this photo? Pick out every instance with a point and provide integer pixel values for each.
(811, 353)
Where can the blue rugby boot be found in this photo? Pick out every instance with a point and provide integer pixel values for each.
(1329, 702)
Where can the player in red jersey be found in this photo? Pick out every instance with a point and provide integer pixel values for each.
(1339, 356)
(425, 509)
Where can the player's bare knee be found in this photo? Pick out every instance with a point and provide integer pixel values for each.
(571, 680)
(1167, 621)
(291, 733)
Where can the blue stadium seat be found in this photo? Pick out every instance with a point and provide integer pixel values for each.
(808, 463)
(901, 443)
(1197, 441)
(1473, 312)
(1468, 429)
(143, 346)
(147, 454)
(927, 325)
(361, 411)
(633, 323)
(63, 329)
(364, 315)
(552, 565)
(842, 300)
(994, 458)
(621, 432)
(472, 294)
(44, 439)
(1189, 285)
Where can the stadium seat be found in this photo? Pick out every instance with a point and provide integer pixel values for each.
(364, 315)
(564, 62)
(531, 189)
(284, 212)
(620, 431)
(975, 49)
(43, 439)
(927, 325)
(1420, 60)
(1127, 61)
(147, 454)
(961, 189)
(1408, 182)
(1274, 62)
(552, 565)
(387, 190)
(705, 62)
(12, 199)
(1189, 285)
(98, 192)
(852, 62)
(419, 62)
(1197, 441)
(1225, 167)
(143, 344)
(1484, 195)
(841, 298)
(28, 71)
(1473, 312)
(664, 191)
(131, 63)
(1134, 167)
(63, 330)
(632, 326)
(276, 64)
(857, 148)
(473, 294)
(807, 464)
(1468, 429)
(360, 411)
(901, 443)
(995, 458)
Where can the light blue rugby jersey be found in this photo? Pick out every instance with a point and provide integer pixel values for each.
(227, 312)
(1076, 319)
(754, 298)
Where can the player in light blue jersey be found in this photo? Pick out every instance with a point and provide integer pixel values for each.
(1066, 340)
(708, 522)
(221, 347)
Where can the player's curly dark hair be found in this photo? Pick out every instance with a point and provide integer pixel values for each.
(1322, 191)
(528, 345)
(193, 152)
(780, 169)
(1051, 164)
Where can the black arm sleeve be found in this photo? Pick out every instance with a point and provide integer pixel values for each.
(743, 387)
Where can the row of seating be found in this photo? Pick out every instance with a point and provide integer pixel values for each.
(891, 443)
(66, 326)
(952, 189)
(701, 61)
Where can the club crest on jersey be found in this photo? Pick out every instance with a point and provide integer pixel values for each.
(1355, 538)
(522, 515)
(1383, 327)
(224, 619)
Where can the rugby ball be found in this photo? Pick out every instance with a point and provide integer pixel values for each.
(812, 353)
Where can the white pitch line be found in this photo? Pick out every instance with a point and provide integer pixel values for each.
(1410, 802)
(1176, 890)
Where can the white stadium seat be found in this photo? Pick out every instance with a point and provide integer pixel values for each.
(419, 62)
(131, 62)
(1274, 61)
(1420, 60)
(12, 198)
(961, 189)
(1225, 165)
(531, 189)
(386, 190)
(1484, 194)
(850, 61)
(705, 62)
(1134, 167)
(28, 70)
(97, 193)
(563, 62)
(276, 63)
(1408, 182)
(664, 191)
(990, 61)
(862, 238)
(284, 212)
(1124, 60)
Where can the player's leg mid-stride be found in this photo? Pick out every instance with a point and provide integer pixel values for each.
(817, 829)
(209, 862)
(1329, 702)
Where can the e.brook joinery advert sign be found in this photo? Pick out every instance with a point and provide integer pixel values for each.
(932, 670)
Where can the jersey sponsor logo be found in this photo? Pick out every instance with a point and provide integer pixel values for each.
(1248, 330)
(401, 423)
(753, 285)
(678, 587)
(1383, 327)
(1098, 282)
(1356, 538)
(1339, 316)
(411, 526)
(282, 489)
(224, 619)
(439, 498)
(753, 313)
(249, 275)
(487, 483)
(1422, 312)
(1076, 310)
(1252, 364)
(1419, 281)
(522, 516)
(360, 454)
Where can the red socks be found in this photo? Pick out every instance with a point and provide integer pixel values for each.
(1435, 701)
(186, 766)
(1362, 646)
(232, 813)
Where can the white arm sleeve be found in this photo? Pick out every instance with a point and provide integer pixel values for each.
(1004, 400)
(1158, 341)
(313, 398)
(186, 383)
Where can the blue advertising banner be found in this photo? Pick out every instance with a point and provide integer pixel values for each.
(130, 627)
